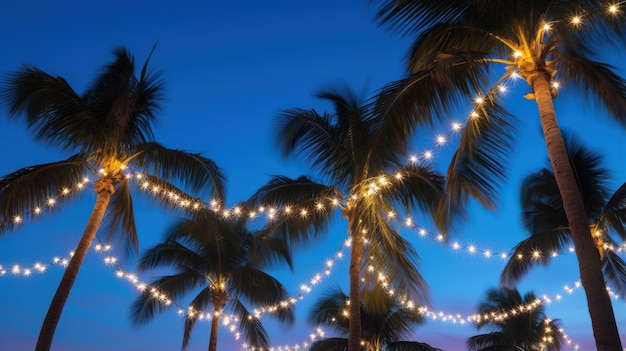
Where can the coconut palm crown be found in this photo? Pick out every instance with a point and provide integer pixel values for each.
(107, 133)
(460, 45)
(365, 179)
(222, 264)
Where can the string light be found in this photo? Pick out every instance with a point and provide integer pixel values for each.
(37, 267)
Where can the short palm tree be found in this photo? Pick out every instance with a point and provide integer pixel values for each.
(544, 218)
(386, 329)
(223, 264)
(106, 130)
(354, 155)
(458, 44)
(527, 331)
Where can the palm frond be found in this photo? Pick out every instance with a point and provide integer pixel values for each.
(418, 187)
(431, 94)
(249, 325)
(268, 251)
(200, 302)
(480, 162)
(146, 95)
(146, 306)
(330, 344)
(328, 309)
(521, 259)
(614, 272)
(614, 214)
(297, 199)
(258, 287)
(172, 254)
(52, 110)
(168, 196)
(410, 346)
(29, 188)
(192, 171)
(119, 220)
(395, 257)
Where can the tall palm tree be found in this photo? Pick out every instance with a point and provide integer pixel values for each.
(223, 262)
(528, 331)
(106, 130)
(459, 45)
(544, 218)
(350, 149)
(383, 330)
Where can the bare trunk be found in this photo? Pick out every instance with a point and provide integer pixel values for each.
(215, 324)
(104, 189)
(598, 300)
(354, 327)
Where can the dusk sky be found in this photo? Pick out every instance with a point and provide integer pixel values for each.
(229, 67)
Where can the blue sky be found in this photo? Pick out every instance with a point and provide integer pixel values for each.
(228, 68)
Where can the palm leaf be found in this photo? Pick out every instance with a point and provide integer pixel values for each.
(410, 346)
(521, 259)
(249, 325)
(26, 189)
(614, 214)
(330, 344)
(192, 171)
(200, 302)
(480, 162)
(299, 196)
(53, 111)
(614, 272)
(119, 219)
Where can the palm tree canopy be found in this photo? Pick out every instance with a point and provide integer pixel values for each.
(452, 59)
(518, 332)
(387, 329)
(350, 150)
(217, 261)
(108, 132)
(544, 217)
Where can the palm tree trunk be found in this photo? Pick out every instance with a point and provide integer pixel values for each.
(354, 324)
(215, 324)
(598, 300)
(105, 189)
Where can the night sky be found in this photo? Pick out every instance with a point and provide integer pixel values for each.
(228, 68)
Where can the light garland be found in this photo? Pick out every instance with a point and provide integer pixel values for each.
(37, 267)
(50, 203)
(318, 333)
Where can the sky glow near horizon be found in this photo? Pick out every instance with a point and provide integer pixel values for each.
(228, 69)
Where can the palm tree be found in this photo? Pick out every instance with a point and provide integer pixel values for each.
(223, 262)
(544, 218)
(458, 44)
(106, 130)
(353, 153)
(383, 330)
(528, 331)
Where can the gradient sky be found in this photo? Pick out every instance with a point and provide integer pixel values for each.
(229, 67)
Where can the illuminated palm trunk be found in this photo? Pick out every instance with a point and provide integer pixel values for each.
(354, 325)
(105, 189)
(598, 300)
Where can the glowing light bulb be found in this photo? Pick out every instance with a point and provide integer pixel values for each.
(576, 20)
(456, 126)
